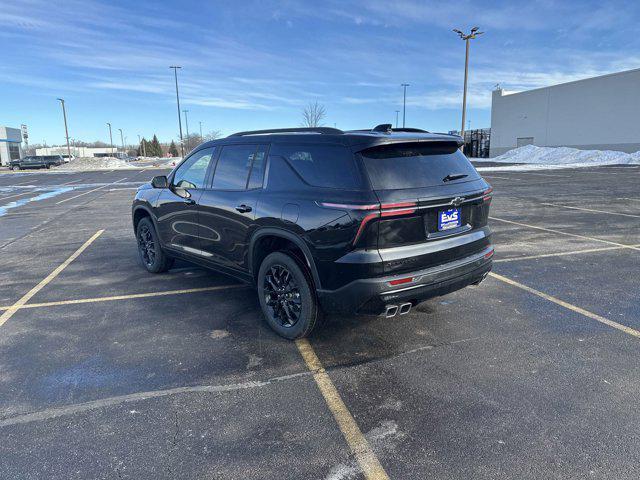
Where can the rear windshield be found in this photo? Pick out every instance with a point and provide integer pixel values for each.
(416, 165)
(330, 166)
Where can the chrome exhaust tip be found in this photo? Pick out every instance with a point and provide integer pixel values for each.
(405, 308)
(390, 311)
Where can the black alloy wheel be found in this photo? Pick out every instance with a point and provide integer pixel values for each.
(282, 296)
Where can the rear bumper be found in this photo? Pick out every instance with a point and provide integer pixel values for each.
(370, 296)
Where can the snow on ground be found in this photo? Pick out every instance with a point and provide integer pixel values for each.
(531, 157)
(111, 163)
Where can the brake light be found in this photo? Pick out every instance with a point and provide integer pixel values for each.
(487, 194)
(489, 254)
(381, 210)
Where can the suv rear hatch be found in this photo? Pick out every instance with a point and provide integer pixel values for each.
(433, 205)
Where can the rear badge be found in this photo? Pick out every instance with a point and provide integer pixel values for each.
(448, 219)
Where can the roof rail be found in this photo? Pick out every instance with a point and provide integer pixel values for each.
(321, 130)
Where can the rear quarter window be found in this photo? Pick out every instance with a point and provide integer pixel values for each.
(400, 166)
(329, 166)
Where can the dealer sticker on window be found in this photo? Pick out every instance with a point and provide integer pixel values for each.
(448, 219)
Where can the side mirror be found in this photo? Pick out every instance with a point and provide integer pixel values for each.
(159, 182)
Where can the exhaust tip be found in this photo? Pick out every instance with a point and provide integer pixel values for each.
(405, 308)
(390, 311)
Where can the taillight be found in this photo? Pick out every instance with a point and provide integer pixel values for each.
(487, 194)
(385, 210)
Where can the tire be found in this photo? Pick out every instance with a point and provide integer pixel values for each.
(294, 312)
(154, 259)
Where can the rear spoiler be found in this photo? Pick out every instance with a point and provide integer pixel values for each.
(377, 142)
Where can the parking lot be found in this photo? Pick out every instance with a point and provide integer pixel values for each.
(107, 371)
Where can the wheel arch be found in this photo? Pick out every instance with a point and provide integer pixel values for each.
(260, 234)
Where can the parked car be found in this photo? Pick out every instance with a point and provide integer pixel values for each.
(66, 158)
(36, 161)
(321, 220)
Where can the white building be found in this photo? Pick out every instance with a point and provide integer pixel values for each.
(599, 113)
(10, 144)
(76, 151)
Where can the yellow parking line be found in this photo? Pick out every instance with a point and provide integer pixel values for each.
(27, 296)
(591, 210)
(369, 463)
(126, 297)
(573, 308)
(560, 232)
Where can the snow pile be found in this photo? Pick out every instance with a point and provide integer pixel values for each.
(531, 157)
(96, 163)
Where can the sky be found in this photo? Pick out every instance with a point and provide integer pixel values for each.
(256, 64)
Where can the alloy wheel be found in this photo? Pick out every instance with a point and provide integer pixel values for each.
(146, 245)
(282, 296)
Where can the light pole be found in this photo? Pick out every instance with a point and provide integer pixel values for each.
(201, 138)
(175, 71)
(110, 138)
(404, 103)
(397, 113)
(144, 149)
(466, 37)
(121, 139)
(186, 123)
(66, 130)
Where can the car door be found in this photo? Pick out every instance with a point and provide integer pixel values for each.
(227, 208)
(177, 205)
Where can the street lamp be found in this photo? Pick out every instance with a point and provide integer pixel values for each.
(404, 103)
(144, 149)
(397, 113)
(186, 122)
(175, 71)
(466, 37)
(110, 138)
(121, 139)
(201, 138)
(66, 130)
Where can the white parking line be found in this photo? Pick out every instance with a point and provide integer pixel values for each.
(90, 191)
(592, 210)
(17, 195)
(558, 254)
(560, 232)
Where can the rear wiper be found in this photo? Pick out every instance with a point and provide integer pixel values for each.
(454, 176)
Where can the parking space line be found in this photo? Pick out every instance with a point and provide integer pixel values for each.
(90, 191)
(591, 210)
(127, 297)
(56, 412)
(559, 232)
(17, 195)
(27, 296)
(369, 463)
(559, 254)
(573, 308)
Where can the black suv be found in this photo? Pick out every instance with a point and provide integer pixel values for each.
(323, 220)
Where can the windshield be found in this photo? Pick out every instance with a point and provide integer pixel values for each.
(416, 165)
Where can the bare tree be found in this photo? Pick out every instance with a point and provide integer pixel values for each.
(313, 114)
(212, 135)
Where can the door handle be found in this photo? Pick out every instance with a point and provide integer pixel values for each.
(243, 208)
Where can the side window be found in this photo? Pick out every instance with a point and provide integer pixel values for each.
(256, 176)
(192, 173)
(233, 167)
(328, 165)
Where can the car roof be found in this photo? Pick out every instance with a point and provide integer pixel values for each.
(357, 139)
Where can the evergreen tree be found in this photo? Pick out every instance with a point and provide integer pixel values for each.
(143, 149)
(154, 150)
(173, 150)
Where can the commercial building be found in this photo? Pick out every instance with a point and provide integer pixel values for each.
(599, 113)
(10, 144)
(77, 151)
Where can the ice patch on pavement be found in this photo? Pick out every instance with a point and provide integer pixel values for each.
(531, 157)
(43, 196)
